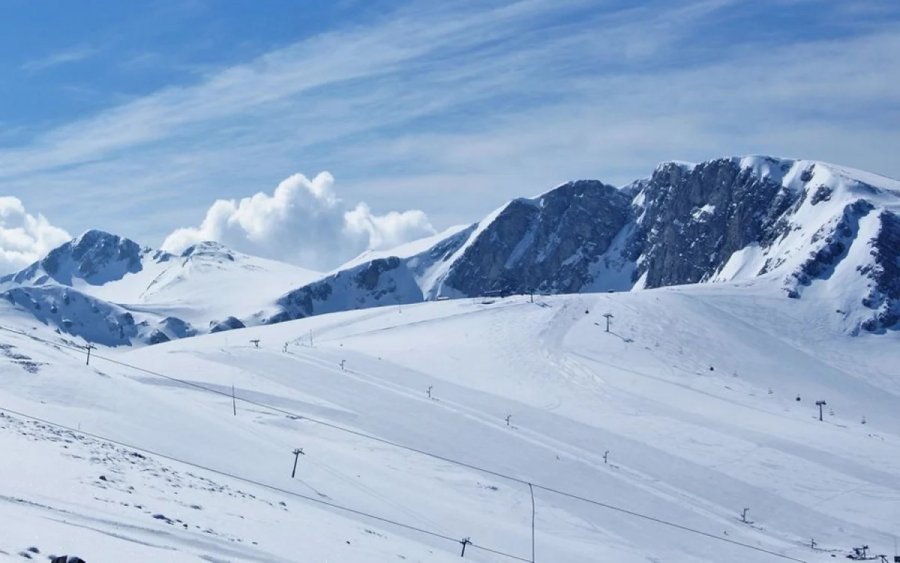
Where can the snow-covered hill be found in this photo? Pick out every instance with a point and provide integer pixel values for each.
(803, 228)
(110, 290)
(699, 403)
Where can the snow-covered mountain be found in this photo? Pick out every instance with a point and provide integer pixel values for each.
(110, 290)
(806, 229)
(95, 258)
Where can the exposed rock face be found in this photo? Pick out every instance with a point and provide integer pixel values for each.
(231, 323)
(693, 219)
(884, 295)
(209, 249)
(384, 281)
(95, 257)
(545, 244)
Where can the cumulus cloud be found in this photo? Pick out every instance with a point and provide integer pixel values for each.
(304, 222)
(24, 238)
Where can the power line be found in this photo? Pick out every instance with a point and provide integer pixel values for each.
(425, 453)
(265, 485)
(667, 523)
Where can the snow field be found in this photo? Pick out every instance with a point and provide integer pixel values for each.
(687, 444)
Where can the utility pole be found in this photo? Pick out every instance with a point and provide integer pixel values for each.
(608, 318)
(89, 348)
(233, 401)
(533, 518)
(465, 542)
(297, 453)
(820, 404)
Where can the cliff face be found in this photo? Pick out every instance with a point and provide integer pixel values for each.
(546, 244)
(692, 219)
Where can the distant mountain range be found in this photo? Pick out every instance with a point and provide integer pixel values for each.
(793, 228)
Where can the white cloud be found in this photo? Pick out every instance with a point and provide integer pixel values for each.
(25, 238)
(304, 222)
(67, 56)
(389, 230)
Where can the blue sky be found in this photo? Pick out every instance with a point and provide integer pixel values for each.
(135, 117)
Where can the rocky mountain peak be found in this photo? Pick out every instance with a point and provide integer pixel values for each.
(209, 250)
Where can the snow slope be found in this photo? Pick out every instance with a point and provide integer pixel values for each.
(693, 394)
(207, 282)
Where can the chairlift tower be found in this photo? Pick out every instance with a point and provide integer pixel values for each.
(297, 453)
(609, 317)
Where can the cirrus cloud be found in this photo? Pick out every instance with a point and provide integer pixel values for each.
(25, 238)
(303, 222)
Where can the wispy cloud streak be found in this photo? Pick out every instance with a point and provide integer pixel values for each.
(67, 56)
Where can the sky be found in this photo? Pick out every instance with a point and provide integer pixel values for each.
(309, 131)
